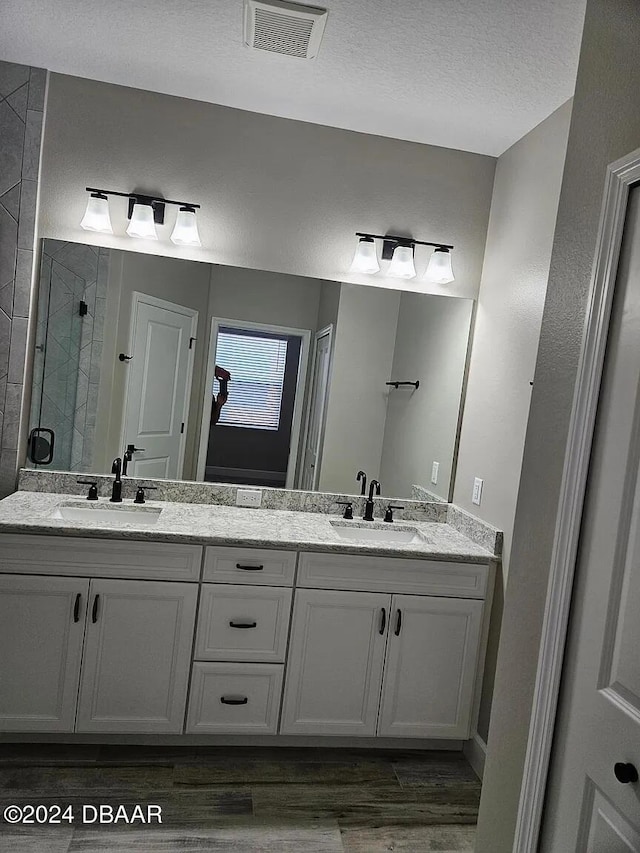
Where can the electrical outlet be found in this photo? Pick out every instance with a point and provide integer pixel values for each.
(249, 497)
(476, 495)
(435, 467)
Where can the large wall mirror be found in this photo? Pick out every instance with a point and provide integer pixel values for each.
(232, 375)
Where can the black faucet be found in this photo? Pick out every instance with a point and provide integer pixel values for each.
(116, 493)
(369, 504)
(127, 456)
(362, 476)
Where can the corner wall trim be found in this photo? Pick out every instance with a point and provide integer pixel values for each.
(620, 176)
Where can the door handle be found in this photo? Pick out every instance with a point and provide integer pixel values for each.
(94, 612)
(249, 568)
(76, 608)
(230, 701)
(233, 624)
(398, 623)
(383, 621)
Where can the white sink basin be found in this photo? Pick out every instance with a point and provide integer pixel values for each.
(389, 533)
(145, 516)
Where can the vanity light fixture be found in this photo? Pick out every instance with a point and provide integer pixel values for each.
(144, 213)
(365, 259)
(402, 265)
(439, 270)
(141, 223)
(96, 216)
(400, 251)
(185, 231)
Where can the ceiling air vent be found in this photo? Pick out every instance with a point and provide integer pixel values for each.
(288, 28)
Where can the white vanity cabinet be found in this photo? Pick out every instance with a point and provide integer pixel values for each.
(335, 663)
(430, 667)
(95, 654)
(384, 663)
(42, 623)
(137, 653)
(241, 641)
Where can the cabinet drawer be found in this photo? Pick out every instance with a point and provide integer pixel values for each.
(231, 698)
(249, 565)
(243, 623)
(390, 574)
(99, 558)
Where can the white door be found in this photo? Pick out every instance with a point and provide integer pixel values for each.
(317, 407)
(335, 663)
(430, 669)
(137, 654)
(159, 386)
(41, 631)
(593, 806)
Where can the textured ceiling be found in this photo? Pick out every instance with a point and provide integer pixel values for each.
(469, 74)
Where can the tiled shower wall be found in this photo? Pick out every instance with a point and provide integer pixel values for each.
(68, 352)
(22, 98)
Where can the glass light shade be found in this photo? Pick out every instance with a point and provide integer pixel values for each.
(185, 231)
(142, 224)
(439, 270)
(96, 216)
(365, 259)
(402, 265)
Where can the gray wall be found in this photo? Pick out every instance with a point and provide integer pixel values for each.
(179, 281)
(505, 340)
(22, 100)
(264, 297)
(276, 194)
(431, 345)
(605, 125)
(357, 402)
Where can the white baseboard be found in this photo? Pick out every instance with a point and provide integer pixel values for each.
(324, 741)
(475, 751)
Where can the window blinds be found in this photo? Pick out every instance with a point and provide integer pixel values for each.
(257, 366)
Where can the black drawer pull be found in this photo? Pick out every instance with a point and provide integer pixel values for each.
(94, 612)
(76, 608)
(230, 701)
(233, 624)
(249, 568)
(398, 623)
(383, 621)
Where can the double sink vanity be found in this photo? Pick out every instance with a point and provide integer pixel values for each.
(177, 618)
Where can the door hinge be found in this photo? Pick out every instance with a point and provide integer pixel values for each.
(192, 342)
(181, 429)
(83, 308)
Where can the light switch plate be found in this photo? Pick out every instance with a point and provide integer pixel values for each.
(476, 495)
(249, 497)
(435, 467)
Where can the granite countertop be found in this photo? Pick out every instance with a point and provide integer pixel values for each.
(212, 524)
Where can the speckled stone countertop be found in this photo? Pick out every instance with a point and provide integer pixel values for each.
(34, 512)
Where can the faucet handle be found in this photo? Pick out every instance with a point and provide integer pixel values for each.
(139, 498)
(388, 516)
(93, 490)
(348, 508)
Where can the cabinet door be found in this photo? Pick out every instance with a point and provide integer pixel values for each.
(335, 663)
(430, 667)
(41, 630)
(137, 653)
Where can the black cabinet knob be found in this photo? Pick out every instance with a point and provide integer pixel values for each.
(625, 773)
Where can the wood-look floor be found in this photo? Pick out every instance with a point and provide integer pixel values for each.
(244, 800)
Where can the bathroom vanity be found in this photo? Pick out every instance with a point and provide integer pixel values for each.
(191, 619)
